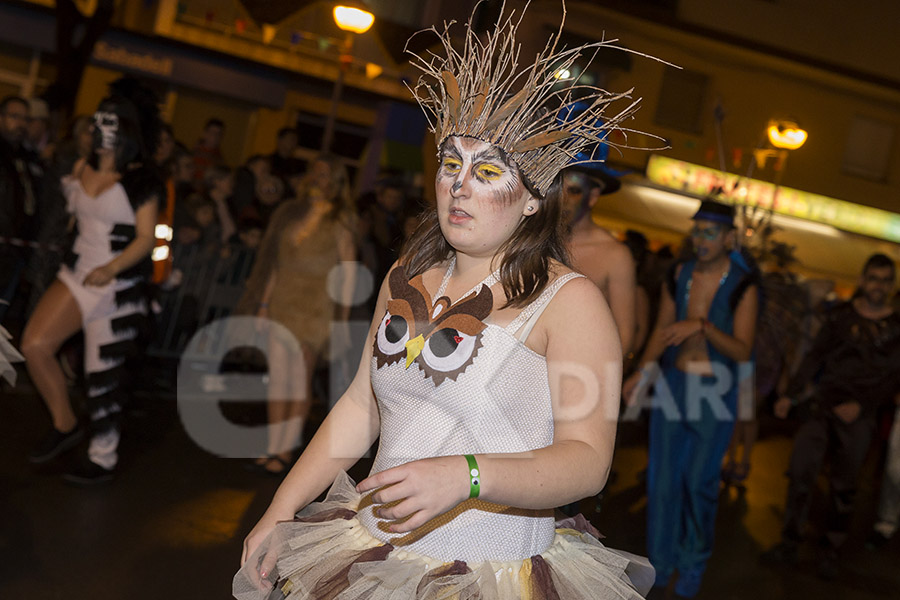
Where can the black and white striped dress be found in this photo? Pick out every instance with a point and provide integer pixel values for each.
(113, 314)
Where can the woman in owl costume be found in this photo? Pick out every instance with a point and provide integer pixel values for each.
(491, 376)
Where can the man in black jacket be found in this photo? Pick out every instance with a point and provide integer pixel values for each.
(18, 197)
(853, 362)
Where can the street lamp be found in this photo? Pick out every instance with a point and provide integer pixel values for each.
(352, 19)
(786, 134)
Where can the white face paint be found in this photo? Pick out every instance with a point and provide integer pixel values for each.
(480, 196)
(107, 124)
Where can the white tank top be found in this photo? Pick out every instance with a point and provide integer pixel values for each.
(473, 387)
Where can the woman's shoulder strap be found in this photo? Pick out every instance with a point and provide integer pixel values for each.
(522, 325)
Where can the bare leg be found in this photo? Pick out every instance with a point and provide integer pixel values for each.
(56, 318)
(278, 391)
(288, 385)
(297, 408)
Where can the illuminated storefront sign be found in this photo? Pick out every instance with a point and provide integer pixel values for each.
(701, 181)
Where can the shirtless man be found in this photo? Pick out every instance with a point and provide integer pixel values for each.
(705, 327)
(596, 253)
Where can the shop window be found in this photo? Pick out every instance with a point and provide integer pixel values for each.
(868, 150)
(681, 100)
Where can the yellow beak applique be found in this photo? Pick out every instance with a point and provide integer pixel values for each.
(414, 349)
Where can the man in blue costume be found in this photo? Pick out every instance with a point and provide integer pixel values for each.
(704, 331)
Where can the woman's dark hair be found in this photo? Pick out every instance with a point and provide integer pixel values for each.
(137, 108)
(526, 255)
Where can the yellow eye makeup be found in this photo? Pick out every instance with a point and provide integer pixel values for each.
(451, 165)
(490, 172)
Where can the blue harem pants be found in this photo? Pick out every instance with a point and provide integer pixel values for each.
(691, 423)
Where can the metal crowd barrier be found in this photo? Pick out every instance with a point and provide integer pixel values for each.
(205, 286)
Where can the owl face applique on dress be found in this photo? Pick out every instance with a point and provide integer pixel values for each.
(441, 339)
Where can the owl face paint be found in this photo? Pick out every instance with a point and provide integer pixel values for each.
(106, 130)
(480, 196)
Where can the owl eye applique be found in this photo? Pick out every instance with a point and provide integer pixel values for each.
(448, 349)
(447, 352)
(393, 333)
(441, 339)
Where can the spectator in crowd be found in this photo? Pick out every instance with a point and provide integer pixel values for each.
(18, 198)
(165, 149)
(196, 251)
(595, 251)
(208, 152)
(305, 239)
(255, 168)
(381, 228)
(181, 169)
(269, 195)
(778, 329)
(162, 256)
(705, 328)
(219, 184)
(283, 162)
(38, 139)
(240, 252)
(53, 235)
(856, 356)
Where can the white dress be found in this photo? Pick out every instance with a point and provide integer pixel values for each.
(111, 314)
(473, 388)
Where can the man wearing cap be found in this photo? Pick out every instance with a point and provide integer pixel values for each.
(595, 251)
(704, 330)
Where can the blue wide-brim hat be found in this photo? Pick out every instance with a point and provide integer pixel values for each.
(717, 212)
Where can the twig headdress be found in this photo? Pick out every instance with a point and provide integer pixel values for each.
(480, 92)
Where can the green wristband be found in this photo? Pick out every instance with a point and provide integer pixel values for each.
(474, 476)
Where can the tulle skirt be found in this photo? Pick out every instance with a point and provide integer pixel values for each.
(326, 553)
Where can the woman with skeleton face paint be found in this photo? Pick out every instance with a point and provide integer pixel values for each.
(491, 375)
(112, 197)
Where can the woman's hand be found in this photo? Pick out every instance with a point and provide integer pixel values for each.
(676, 333)
(100, 276)
(423, 489)
(263, 574)
(256, 536)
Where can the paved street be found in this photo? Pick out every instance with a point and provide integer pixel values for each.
(171, 525)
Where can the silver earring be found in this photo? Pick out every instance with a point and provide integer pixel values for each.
(530, 208)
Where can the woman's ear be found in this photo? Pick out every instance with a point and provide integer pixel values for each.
(532, 205)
